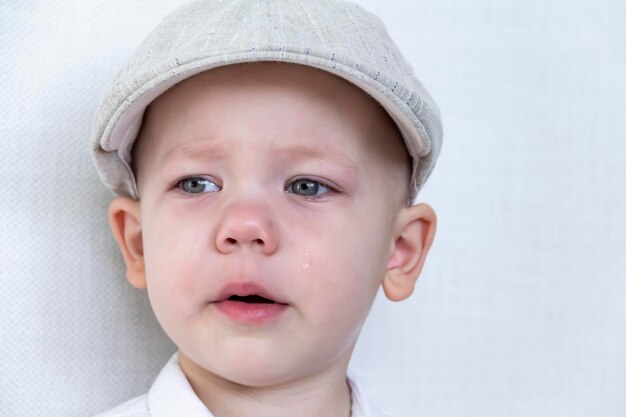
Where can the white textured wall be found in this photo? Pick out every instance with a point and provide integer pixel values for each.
(521, 309)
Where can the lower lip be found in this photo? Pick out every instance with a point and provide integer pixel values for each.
(241, 312)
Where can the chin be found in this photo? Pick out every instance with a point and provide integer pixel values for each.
(255, 371)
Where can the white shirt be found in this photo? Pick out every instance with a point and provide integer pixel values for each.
(171, 395)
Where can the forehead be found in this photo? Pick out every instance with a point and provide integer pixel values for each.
(290, 109)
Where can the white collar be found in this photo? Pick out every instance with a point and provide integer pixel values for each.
(172, 395)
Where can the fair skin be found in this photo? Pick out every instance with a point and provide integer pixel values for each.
(320, 233)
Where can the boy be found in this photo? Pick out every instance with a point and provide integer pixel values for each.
(263, 196)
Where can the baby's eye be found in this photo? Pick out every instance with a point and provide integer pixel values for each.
(306, 187)
(196, 185)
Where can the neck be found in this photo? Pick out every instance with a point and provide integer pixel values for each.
(324, 394)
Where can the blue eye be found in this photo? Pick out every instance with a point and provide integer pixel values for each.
(196, 185)
(307, 187)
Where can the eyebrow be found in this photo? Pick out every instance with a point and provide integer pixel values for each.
(211, 150)
(208, 150)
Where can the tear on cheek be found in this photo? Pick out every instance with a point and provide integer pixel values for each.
(306, 259)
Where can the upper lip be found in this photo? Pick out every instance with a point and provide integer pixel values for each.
(243, 289)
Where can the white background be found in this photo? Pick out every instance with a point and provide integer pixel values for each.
(520, 310)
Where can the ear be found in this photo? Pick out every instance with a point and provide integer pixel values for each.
(415, 226)
(125, 221)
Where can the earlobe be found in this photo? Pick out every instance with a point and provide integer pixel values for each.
(416, 231)
(396, 285)
(125, 222)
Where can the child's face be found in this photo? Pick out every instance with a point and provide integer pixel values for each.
(301, 177)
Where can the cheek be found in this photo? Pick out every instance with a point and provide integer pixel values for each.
(336, 293)
(345, 268)
(168, 254)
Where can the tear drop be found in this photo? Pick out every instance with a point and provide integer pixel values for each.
(306, 261)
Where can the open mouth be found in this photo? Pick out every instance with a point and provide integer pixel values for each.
(256, 299)
(249, 303)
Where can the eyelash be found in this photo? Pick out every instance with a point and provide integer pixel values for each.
(312, 198)
(330, 189)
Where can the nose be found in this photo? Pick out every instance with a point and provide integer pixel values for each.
(247, 225)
